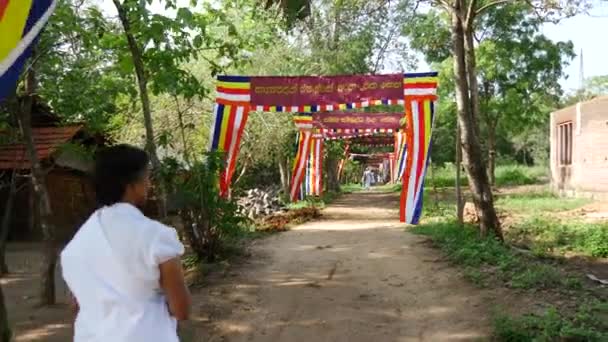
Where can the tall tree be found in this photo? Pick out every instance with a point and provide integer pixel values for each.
(464, 18)
(128, 11)
(38, 179)
(519, 73)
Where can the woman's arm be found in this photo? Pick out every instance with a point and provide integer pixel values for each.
(177, 293)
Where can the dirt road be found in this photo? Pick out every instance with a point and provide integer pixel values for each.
(353, 276)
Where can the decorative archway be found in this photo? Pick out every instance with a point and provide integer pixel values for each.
(237, 95)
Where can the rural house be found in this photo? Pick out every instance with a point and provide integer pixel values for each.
(579, 149)
(67, 177)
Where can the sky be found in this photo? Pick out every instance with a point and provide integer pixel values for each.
(589, 34)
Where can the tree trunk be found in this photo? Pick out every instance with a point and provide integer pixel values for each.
(459, 199)
(492, 153)
(5, 329)
(142, 82)
(284, 172)
(471, 70)
(6, 223)
(182, 129)
(333, 183)
(472, 156)
(47, 288)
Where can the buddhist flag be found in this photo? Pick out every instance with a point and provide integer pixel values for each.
(21, 22)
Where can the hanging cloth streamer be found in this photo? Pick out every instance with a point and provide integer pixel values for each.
(314, 176)
(231, 112)
(400, 155)
(304, 123)
(418, 151)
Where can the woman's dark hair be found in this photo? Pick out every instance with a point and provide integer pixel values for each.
(115, 168)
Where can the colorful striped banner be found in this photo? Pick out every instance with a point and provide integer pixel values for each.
(419, 92)
(420, 85)
(303, 121)
(21, 22)
(400, 155)
(299, 165)
(420, 124)
(327, 108)
(391, 166)
(227, 132)
(314, 173)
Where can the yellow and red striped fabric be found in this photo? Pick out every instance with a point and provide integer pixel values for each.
(314, 171)
(299, 165)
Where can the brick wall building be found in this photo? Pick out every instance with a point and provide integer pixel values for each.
(579, 149)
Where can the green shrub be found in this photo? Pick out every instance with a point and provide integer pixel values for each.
(514, 177)
(510, 175)
(589, 323)
(207, 218)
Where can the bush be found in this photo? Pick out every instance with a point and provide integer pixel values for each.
(207, 217)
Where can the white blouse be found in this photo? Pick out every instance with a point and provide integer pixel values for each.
(112, 268)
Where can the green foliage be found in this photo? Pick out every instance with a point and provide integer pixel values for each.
(506, 175)
(538, 202)
(315, 202)
(75, 67)
(552, 235)
(518, 70)
(352, 172)
(593, 87)
(351, 187)
(514, 176)
(588, 323)
(207, 218)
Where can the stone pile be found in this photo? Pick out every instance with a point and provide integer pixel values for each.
(259, 203)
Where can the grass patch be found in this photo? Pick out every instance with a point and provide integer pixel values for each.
(506, 175)
(588, 323)
(315, 202)
(351, 187)
(492, 259)
(549, 235)
(535, 202)
(511, 175)
(487, 262)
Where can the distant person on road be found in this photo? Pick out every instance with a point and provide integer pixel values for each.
(124, 269)
(368, 178)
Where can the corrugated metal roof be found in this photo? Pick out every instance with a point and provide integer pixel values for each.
(47, 140)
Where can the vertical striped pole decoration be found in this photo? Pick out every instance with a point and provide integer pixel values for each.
(304, 123)
(400, 154)
(314, 175)
(231, 111)
(391, 167)
(420, 94)
(343, 161)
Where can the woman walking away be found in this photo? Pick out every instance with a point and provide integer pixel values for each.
(124, 269)
(367, 180)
